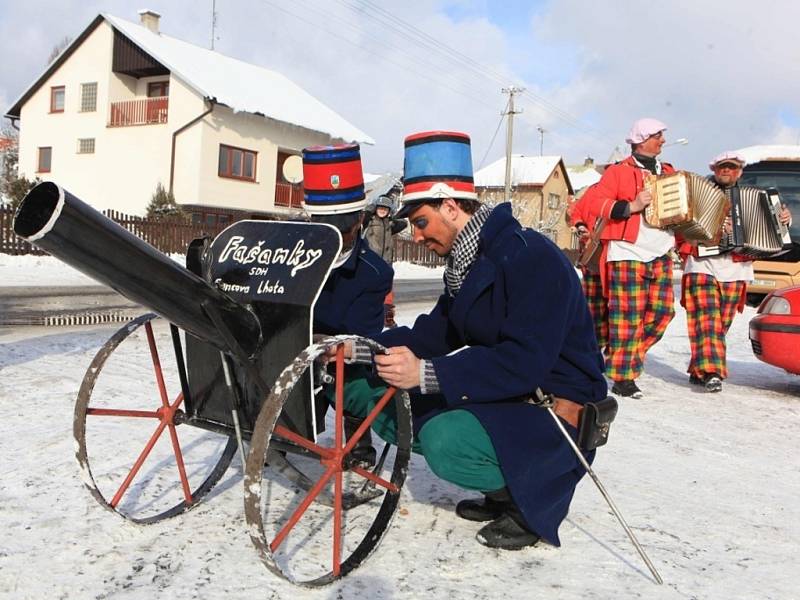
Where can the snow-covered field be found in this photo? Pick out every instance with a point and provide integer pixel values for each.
(708, 483)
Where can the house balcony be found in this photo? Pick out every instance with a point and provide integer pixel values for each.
(146, 111)
(288, 195)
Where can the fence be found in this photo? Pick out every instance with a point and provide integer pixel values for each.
(409, 251)
(173, 236)
(169, 235)
(139, 112)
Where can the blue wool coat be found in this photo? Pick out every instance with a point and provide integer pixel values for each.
(351, 300)
(522, 321)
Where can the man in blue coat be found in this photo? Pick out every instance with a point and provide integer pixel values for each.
(351, 301)
(512, 319)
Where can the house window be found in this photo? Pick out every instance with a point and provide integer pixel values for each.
(57, 99)
(85, 145)
(236, 163)
(553, 201)
(45, 157)
(88, 97)
(156, 89)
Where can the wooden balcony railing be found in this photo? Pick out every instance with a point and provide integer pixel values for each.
(288, 195)
(139, 112)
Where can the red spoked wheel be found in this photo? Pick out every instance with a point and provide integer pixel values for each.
(314, 534)
(127, 414)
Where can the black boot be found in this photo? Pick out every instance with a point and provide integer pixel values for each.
(492, 506)
(507, 532)
(363, 455)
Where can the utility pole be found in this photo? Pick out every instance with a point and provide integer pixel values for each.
(213, 21)
(510, 133)
(541, 131)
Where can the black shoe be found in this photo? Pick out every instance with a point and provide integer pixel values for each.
(363, 455)
(695, 380)
(712, 382)
(494, 504)
(507, 533)
(627, 388)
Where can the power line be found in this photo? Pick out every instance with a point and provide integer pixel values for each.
(425, 75)
(456, 57)
(491, 143)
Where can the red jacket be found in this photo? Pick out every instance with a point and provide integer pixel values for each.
(621, 181)
(580, 213)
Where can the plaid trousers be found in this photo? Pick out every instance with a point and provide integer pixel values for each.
(640, 306)
(710, 308)
(598, 308)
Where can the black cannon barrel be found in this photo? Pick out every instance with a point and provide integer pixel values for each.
(69, 229)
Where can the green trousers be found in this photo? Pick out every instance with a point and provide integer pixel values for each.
(454, 443)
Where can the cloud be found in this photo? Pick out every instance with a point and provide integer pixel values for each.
(719, 73)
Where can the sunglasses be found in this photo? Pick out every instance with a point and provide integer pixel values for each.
(729, 166)
(658, 136)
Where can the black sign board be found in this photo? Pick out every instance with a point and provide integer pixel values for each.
(277, 269)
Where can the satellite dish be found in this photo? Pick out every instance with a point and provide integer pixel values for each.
(293, 169)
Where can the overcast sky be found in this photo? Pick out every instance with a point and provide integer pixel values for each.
(723, 73)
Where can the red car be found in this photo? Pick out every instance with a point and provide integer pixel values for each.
(775, 330)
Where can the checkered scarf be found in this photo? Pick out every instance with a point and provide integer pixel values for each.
(464, 251)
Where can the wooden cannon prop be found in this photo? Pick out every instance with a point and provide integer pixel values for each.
(228, 351)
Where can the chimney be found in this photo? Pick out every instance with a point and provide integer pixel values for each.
(150, 19)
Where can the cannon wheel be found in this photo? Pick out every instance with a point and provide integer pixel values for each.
(334, 463)
(165, 414)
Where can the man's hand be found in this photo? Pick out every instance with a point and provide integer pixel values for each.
(642, 201)
(727, 225)
(582, 231)
(786, 215)
(330, 353)
(399, 367)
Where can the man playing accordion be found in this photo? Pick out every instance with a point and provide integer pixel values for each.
(635, 265)
(713, 288)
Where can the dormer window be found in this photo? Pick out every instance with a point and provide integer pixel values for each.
(156, 89)
(57, 99)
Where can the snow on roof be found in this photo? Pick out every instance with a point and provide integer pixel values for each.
(240, 85)
(525, 170)
(754, 154)
(582, 176)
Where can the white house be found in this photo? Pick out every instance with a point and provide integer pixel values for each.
(125, 107)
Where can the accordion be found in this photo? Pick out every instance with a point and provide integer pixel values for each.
(687, 203)
(589, 258)
(756, 228)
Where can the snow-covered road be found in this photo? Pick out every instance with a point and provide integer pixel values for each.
(708, 483)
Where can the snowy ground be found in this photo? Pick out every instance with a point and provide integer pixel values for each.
(31, 270)
(708, 483)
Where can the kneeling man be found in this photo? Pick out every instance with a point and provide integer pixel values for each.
(512, 319)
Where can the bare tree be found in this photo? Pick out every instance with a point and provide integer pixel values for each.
(58, 48)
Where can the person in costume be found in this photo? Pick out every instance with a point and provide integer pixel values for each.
(713, 288)
(351, 301)
(512, 319)
(636, 263)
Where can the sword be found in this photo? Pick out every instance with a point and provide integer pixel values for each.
(547, 403)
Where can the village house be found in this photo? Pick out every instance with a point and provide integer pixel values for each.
(125, 107)
(540, 193)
